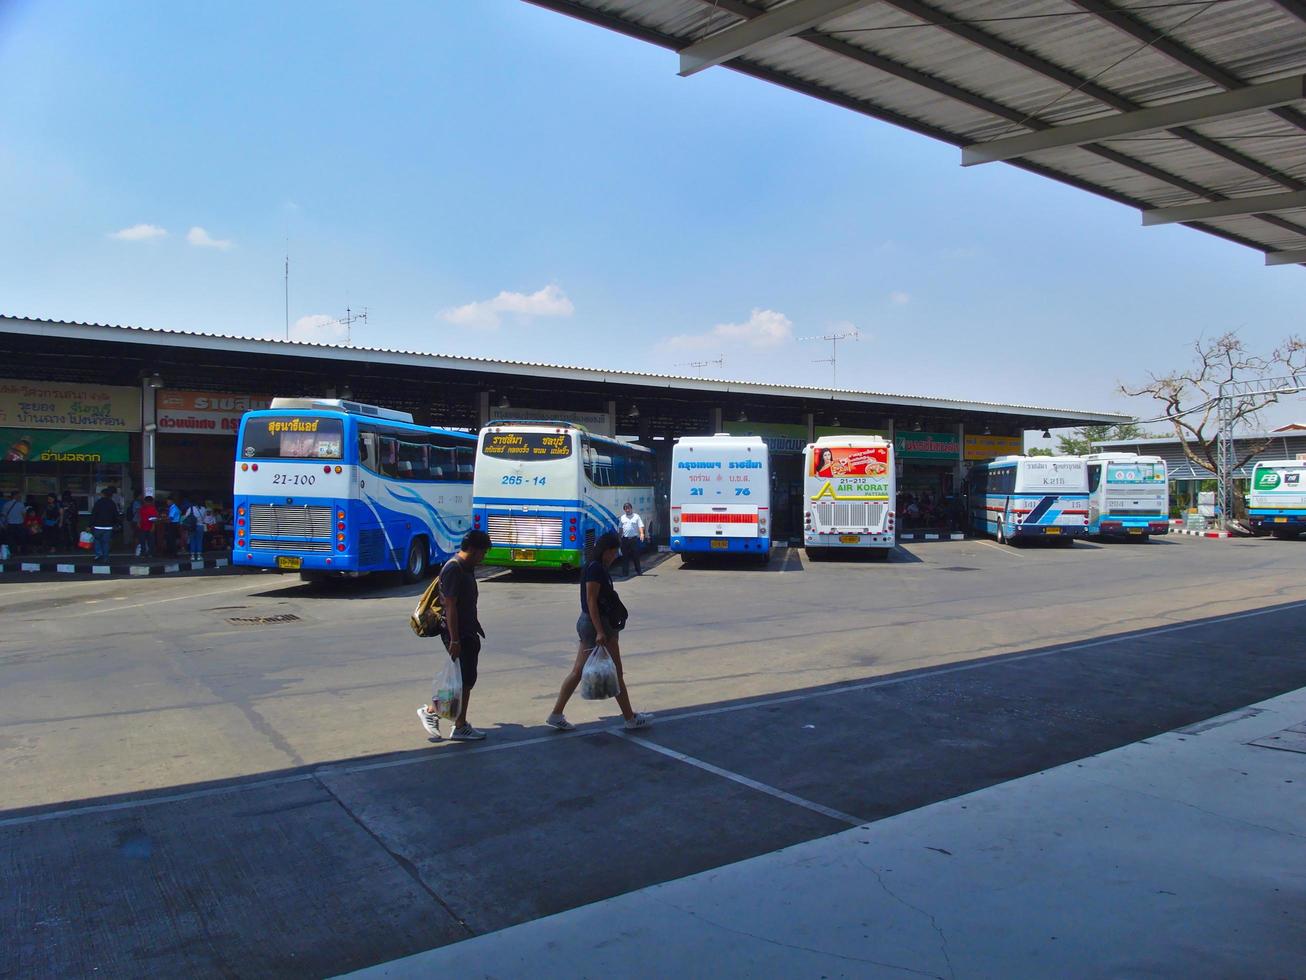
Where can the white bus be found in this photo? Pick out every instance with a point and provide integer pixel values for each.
(848, 484)
(330, 487)
(1128, 495)
(544, 491)
(1021, 497)
(1278, 498)
(721, 496)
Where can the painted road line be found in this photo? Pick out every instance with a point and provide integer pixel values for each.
(1005, 549)
(742, 780)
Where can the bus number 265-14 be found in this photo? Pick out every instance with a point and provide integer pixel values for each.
(517, 481)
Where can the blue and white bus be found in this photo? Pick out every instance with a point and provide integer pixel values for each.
(324, 486)
(721, 496)
(545, 490)
(1277, 503)
(1022, 497)
(1128, 495)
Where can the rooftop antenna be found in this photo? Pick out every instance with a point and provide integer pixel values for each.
(720, 362)
(287, 287)
(348, 321)
(833, 359)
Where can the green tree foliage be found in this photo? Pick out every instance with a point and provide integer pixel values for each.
(1080, 442)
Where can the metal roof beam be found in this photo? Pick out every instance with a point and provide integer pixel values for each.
(1125, 21)
(779, 22)
(1296, 256)
(1267, 95)
(1237, 206)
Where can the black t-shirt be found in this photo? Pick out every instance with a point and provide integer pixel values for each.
(594, 572)
(458, 585)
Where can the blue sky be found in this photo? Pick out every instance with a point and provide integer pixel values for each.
(491, 178)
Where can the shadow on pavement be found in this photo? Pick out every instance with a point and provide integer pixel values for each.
(327, 868)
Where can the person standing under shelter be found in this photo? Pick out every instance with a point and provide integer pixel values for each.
(171, 526)
(104, 518)
(192, 523)
(632, 539)
(462, 634)
(149, 517)
(13, 512)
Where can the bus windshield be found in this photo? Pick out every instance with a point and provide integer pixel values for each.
(292, 437)
(1131, 472)
(527, 446)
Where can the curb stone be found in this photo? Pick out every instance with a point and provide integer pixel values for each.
(65, 568)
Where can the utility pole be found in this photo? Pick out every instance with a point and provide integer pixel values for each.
(287, 288)
(1226, 456)
(833, 359)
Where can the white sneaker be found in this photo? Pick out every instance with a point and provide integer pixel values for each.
(559, 722)
(466, 733)
(431, 723)
(641, 720)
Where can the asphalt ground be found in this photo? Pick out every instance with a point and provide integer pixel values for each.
(224, 775)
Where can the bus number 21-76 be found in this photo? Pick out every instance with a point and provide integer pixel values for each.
(743, 491)
(517, 481)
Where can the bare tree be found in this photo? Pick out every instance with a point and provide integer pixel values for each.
(1190, 396)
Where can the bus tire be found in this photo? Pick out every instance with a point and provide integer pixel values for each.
(313, 578)
(1002, 532)
(415, 566)
(1286, 535)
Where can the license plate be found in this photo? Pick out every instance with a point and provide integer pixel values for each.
(523, 555)
(1052, 530)
(289, 562)
(1281, 520)
(849, 538)
(720, 544)
(1135, 530)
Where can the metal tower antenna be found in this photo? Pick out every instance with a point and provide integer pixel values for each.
(833, 359)
(349, 319)
(720, 362)
(287, 288)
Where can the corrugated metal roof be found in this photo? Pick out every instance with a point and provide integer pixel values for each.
(972, 71)
(1283, 445)
(73, 329)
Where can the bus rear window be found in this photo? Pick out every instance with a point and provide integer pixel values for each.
(292, 437)
(531, 446)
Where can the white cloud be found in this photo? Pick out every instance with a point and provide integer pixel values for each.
(198, 236)
(486, 313)
(899, 298)
(139, 233)
(763, 329)
(318, 328)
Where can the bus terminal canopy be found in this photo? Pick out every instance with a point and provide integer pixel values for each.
(1192, 111)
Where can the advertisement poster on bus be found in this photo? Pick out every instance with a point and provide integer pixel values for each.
(852, 472)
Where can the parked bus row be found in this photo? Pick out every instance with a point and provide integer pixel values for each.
(1061, 498)
(329, 486)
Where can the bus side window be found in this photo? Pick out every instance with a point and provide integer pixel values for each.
(1094, 476)
(388, 463)
(465, 458)
(367, 449)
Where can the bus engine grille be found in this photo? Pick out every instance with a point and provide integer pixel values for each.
(848, 514)
(282, 520)
(507, 530)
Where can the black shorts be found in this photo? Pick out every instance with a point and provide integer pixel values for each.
(588, 635)
(469, 658)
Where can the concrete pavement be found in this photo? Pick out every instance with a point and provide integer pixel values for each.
(1183, 855)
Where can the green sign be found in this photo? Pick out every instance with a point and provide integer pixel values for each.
(927, 445)
(62, 446)
(788, 437)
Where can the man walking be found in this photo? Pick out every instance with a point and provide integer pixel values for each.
(632, 539)
(11, 523)
(104, 517)
(463, 633)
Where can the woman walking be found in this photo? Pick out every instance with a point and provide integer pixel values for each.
(596, 629)
(51, 523)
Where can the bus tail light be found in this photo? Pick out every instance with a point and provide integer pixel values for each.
(340, 537)
(244, 467)
(240, 511)
(326, 469)
(254, 467)
(476, 521)
(340, 547)
(240, 543)
(340, 526)
(339, 469)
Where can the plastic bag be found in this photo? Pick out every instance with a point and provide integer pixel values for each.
(447, 691)
(599, 678)
(85, 540)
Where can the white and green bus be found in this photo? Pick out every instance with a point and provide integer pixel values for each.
(543, 491)
(1277, 503)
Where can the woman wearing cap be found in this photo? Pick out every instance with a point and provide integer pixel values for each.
(594, 630)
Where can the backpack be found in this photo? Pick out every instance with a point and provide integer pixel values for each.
(189, 522)
(427, 618)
